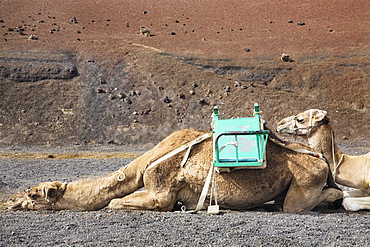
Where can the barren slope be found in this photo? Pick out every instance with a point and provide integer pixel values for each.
(90, 78)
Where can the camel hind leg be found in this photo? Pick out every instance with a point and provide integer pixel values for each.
(162, 186)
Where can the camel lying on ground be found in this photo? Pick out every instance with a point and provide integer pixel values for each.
(351, 171)
(299, 177)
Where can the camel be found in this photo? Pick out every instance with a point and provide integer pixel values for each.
(350, 171)
(169, 180)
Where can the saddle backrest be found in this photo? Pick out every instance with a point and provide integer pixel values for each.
(239, 141)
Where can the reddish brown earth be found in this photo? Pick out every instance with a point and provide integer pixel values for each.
(90, 78)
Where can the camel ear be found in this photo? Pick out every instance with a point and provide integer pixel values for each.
(320, 115)
(53, 190)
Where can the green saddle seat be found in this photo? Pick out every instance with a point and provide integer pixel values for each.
(239, 142)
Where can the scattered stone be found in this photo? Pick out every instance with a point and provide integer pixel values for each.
(91, 61)
(132, 93)
(192, 92)
(166, 100)
(237, 84)
(180, 95)
(301, 23)
(247, 49)
(172, 33)
(32, 37)
(160, 88)
(144, 31)
(201, 101)
(20, 30)
(100, 90)
(144, 12)
(195, 85)
(127, 100)
(227, 89)
(285, 57)
(290, 21)
(121, 95)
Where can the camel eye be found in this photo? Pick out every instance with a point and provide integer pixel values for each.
(300, 120)
(33, 196)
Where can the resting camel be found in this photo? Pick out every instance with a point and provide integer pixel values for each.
(351, 171)
(301, 178)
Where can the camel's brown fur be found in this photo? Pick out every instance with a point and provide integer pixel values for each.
(351, 171)
(300, 176)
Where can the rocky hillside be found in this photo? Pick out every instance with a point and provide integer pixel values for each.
(82, 83)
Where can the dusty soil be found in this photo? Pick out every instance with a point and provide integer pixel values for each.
(88, 85)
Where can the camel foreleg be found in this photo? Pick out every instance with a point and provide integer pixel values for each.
(144, 200)
(356, 193)
(356, 203)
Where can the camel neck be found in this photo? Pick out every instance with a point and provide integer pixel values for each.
(322, 140)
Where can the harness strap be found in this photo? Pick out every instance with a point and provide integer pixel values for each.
(333, 153)
(311, 113)
(189, 145)
(203, 195)
(182, 148)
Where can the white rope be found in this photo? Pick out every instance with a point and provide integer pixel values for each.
(234, 143)
(122, 173)
(333, 154)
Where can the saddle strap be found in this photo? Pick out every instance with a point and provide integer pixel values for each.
(182, 148)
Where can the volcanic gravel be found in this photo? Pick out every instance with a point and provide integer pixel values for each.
(259, 227)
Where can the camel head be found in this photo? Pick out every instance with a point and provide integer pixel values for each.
(40, 197)
(302, 123)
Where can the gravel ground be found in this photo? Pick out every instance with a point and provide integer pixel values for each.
(260, 227)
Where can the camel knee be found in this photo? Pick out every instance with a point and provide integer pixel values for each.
(332, 195)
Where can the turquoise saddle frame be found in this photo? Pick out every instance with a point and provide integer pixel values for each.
(240, 142)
